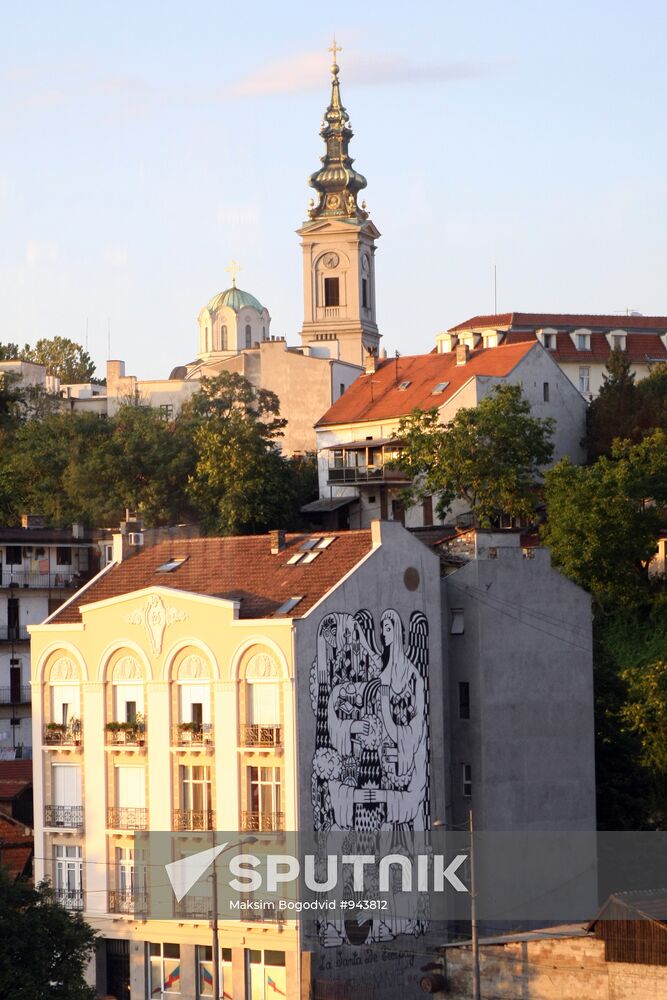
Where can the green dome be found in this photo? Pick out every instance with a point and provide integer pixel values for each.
(236, 299)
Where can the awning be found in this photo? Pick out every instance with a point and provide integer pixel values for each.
(359, 445)
(322, 506)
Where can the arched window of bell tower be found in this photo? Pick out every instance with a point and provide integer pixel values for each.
(248, 335)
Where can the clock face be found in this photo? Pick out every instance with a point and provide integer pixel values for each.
(333, 201)
(331, 260)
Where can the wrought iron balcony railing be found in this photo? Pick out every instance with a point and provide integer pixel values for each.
(63, 580)
(70, 817)
(127, 902)
(185, 734)
(194, 908)
(127, 818)
(71, 899)
(126, 734)
(15, 696)
(189, 819)
(59, 734)
(257, 735)
(14, 633)
(366, 474)
(263, 822)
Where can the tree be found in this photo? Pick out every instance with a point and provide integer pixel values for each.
(241, 483)
(63, 358)
(44, 949)
(11, 352)
(603, 520)
(614, 413)
(489, 456)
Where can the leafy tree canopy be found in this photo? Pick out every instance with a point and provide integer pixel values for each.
(63, 358)
(44, 949)
(625, 408)
(489, 455)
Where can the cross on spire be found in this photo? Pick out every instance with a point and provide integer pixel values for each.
(334, 49)
(233, 268)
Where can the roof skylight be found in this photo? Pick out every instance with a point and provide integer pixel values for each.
(296, 558)
(440, 387)
(404, 385)
(311, 556)
(171, 565)
(288, 606)
(324, 543)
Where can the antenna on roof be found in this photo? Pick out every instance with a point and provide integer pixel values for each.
(397, 356)
(495, 291)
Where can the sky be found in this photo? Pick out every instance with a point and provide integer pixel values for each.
(143, 145)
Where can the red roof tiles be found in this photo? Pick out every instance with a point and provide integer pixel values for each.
(378, 396)
(511, 320)
(238, 568)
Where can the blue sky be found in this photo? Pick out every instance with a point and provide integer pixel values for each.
(144, 145)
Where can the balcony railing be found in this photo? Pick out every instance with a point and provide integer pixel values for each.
(128, 902)
(69, 817)
(189, 819)
(267, 914)
(58, 734)
(14, 633)
(194, 908)
(187, 734)
(126, 734)
(263, 822)
(366, 474)
(127, 818)
(256, 735)
(65, 579)
(71, 899)
(15, 696)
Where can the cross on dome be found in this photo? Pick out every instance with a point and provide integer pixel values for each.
(233, 268)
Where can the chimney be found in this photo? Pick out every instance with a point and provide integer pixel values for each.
(462, 354)
(277, 537)
(371, 362)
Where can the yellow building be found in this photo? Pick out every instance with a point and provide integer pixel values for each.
(175, 692)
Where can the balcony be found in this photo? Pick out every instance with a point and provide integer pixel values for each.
(262, 822)
(15, 696)
(194, 908)
(126, 734)
(192, 734)
(71, 899)
(127, 818)
(14, 633)
(59, 734)
(68, 817)
(344, 475)
(65, 579)
(258, 735)
(189, 819)
(133, 903)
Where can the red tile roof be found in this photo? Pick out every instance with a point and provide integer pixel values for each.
(378, 396)
(522, 327)
(239, 568)
(15, 777)
(16, 846)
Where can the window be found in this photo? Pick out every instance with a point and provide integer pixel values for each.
(549, 341)
(196, 789)
(464, 700)
(64, 703)
(13, 556)
(545, 392)
(364, 293)
(266, 974)
(195, 703)
(583, 341)
(248, 335)
(125, 870)
(440, 387)
(223, 337)
(404, 385)
(128, 701)
(457, 623)
(63, 556)
(205, 971)
(165, 970)
(291, 603)
(264, 798)
(584, 379)
(618, 342)
(68, 862)
(171, 565)
(263, 703)
(166, 411)
(130, 787)
(466, 780)
(341, 388)
(331, 292)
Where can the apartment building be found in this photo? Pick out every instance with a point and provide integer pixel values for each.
(213, 684)
(39, 569)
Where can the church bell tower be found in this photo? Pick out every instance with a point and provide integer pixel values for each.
(338, 243)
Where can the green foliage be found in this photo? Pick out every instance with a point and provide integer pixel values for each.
(625, 409)
(489, 456)
(62, 357)
(11, 352)
(601, 530)
(44, 949)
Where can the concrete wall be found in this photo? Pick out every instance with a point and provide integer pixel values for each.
(571, 968)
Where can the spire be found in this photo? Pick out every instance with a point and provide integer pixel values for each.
(337, 183)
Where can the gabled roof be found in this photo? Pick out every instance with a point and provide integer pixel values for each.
(15, 777)
(379, 396)
(643, 342)
(240, 568)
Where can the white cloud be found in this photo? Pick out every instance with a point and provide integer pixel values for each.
(40, 252)
(304, 70)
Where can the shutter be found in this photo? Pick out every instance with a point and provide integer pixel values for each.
(124, 693)
(66, 784)
(198, 694)
(130, 787)
(264, 704)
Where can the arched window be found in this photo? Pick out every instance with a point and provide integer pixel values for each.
(206, 338)
(248, 336)
(263, 333)
(223, 338)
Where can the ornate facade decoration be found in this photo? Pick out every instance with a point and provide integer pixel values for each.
(262, 667)
(155, 617)
(127, 669)
(64, 669)
(194, 668)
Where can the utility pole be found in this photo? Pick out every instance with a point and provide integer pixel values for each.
(474, 934)
(216, 942)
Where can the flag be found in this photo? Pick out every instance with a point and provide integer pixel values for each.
(172, 979)
(207, 977)
(270, 982)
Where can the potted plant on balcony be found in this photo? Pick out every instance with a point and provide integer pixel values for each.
(55, 731)
(188, 730)
(74, 727)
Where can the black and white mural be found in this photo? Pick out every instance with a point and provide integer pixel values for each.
(369, 688)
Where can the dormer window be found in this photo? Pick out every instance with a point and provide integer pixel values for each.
(491, 339)
(617, 340)
(547, 338)
(582, 339)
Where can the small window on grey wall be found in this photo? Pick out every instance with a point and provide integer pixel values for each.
(464, 700)
(457, 622)
(466, 780)
(342, 388)
(545, 392)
